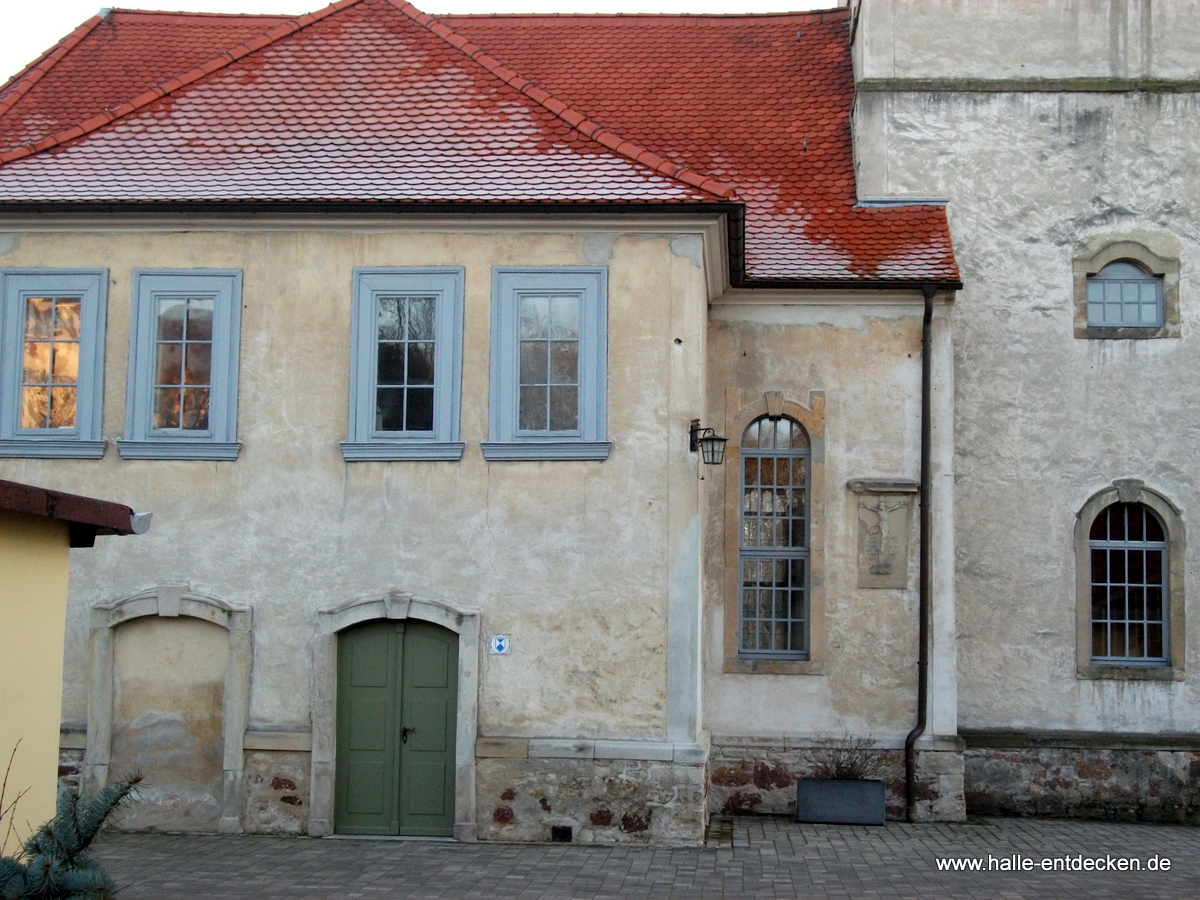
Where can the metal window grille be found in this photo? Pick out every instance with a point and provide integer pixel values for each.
(1129, 590)
(1122, 295)
(773, 548)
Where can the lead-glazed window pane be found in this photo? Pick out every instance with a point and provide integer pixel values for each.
(1128, 559)
(774, 540)
(1123, 294)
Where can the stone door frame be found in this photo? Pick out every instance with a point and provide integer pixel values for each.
(172, 600)
(463, 621)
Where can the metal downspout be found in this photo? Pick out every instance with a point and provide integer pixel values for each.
(926, 567)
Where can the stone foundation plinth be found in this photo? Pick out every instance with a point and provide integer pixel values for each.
(603, 801)
(1128, 784)
(752, 777)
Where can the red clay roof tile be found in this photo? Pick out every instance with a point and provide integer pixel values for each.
(372, 100)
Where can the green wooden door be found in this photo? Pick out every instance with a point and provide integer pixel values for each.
(397, 696)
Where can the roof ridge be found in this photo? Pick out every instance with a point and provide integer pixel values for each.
(223, 59)
(34, 72)
(592, 130)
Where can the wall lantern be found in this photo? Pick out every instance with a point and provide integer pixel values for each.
(710, 444)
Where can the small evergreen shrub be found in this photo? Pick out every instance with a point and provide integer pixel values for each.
(54, 863)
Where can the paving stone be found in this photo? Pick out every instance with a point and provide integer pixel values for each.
(759, 857)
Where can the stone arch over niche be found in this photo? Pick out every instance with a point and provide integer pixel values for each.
(463, 621)
(1132, 490)
(168, 601)
(739, 413)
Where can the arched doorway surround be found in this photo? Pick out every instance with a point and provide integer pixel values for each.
(463, 621)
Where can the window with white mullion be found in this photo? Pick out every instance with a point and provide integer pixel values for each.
(548, 377)
(773, 540)
(405, 364)
(405, 348)
(1129, 597)
(183, 364)
(50, 373)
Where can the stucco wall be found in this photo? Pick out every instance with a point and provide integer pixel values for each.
(33, 602)
(865, 357)
(1026, 39)
(1043, 419)
(572, 559)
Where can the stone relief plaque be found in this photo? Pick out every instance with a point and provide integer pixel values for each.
(883, 524)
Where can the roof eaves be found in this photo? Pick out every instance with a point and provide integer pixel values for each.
(581, 123)
(24, 80)
(225, 58)
(96, 516)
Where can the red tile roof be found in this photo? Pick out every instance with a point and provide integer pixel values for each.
(372, 100)
(88, 514)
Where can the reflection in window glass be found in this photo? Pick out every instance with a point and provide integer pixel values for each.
(404, 372)
(183, 363)
(1129, 592)
(773, 540)
(50, 377)
(549, 363)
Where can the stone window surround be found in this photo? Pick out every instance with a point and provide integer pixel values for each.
(463, 621)
(1088, 262)
(737, 418)
(1130, 490)
(171, 600)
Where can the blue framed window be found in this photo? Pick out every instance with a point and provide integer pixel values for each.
(549, 363)
(1124, 295)
(52, 362)
(405, 364)
(183, 365)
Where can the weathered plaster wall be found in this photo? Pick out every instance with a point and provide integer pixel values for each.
(580, 562)
(1026, 39)
(866, 359)
(33, 603)
(168, 696)
(1045, 420)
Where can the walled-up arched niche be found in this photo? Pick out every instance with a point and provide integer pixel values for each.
(164, 698)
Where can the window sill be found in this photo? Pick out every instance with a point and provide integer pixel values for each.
(1129, 673)
(516, 450)
(55, 448)
(366, 451)
(225, 451)
(1126, 332)
(739, 666)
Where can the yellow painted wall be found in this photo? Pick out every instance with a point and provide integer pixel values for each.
(33, 607)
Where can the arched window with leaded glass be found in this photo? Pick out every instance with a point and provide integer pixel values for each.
(773, 542)
(1128, 547)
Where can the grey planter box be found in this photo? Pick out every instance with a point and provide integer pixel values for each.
(834, 802)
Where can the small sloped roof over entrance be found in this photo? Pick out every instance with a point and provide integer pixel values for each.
(87, 516)
(372, 101)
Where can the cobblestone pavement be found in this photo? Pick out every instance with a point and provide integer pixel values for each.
(755, 858)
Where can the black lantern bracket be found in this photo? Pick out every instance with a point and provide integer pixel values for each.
(710, 444)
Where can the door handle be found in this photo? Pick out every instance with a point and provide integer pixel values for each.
(404, 734)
